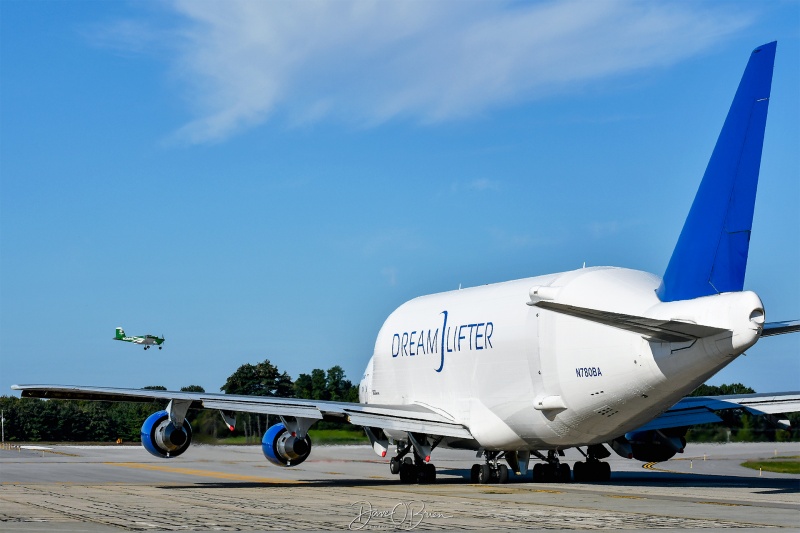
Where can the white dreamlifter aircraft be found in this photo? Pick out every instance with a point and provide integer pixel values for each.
(588, 359)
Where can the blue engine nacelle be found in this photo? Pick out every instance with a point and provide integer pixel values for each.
(284, 448)
(656, 445)
(161, 438)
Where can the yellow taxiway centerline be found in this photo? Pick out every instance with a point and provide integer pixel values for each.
(205, 473)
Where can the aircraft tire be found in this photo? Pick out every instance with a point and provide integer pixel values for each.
(502, 474)
(484, 475)
(474, 474)
(394, 465)
(591, 471)
(538, 475)
(408, 473)
(564, 473)
(579, 472)
(429, 472)
(605, 472)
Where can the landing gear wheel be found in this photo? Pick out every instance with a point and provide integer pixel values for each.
(474, 474)
(502, 474)
(592, 470)
(564, 473)
(605, 472)
(484, 474)
(428, 473)
(578, 472)
(408, 473)
(394, 465)
(544, 473)
(538, 473)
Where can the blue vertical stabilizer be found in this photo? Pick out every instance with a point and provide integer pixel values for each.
(711, 254)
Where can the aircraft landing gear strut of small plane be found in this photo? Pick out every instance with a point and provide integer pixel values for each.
(418, 469)
(552, 470)
(593, 469)
(491, 471)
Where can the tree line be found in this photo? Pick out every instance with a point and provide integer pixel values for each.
(34, 420)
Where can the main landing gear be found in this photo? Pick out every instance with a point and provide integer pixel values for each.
(552, 470)
(490, 471)
(413, 456)
(418, 469)
(593, 469)
(413, 472)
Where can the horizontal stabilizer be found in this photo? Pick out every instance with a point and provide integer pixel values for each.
(700, 409)
(764, 402)
(655, 328)
(681, 418)
(779, 328)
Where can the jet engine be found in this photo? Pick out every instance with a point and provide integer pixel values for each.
(161, 438)
(655, 445)
(284, 448)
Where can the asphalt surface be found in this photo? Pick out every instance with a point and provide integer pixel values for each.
(233, 488)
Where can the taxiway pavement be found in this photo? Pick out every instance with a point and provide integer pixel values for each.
(224, 488)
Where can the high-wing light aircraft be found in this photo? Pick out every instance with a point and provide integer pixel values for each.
(588, 359)
(147, 340)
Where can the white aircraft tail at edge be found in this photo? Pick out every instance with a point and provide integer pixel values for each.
(592, 358)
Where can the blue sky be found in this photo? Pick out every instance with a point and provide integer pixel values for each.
(270, 180)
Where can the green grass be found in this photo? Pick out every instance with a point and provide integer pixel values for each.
(318, 437)
(778, 465)
(337, 436)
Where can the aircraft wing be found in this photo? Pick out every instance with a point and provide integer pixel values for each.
(413, 418)
(694, 410)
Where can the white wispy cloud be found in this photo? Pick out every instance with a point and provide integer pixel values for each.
(390, 273)
(607, 228)
(477, 184)
(505, 240)
(483, 184)
(369, 61)
(379, 241)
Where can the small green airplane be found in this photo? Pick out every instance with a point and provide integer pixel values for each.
(147, 340)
